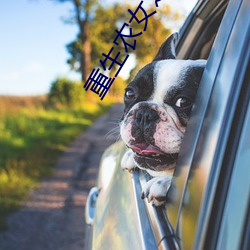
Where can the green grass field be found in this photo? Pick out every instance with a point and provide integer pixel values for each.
(31, 139)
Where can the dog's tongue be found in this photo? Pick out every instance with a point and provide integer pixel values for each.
(145, 149)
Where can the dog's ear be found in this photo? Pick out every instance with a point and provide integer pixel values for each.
(167, 49)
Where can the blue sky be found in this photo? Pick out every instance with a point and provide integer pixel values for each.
(32, 45)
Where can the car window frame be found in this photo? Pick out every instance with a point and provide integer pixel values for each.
(210, 74)
(213, 183)
(233, 176)
(239, 109)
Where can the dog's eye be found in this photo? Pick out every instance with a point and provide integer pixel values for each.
(130, 94)
(183, 102)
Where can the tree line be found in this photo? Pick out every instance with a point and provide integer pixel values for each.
(97, 25)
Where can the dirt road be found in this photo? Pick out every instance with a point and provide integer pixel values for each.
(53, 218)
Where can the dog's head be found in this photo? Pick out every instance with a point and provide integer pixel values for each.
(158, 103)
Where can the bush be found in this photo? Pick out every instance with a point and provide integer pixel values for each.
(65, 92)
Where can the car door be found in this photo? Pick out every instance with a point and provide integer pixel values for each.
(122, 220)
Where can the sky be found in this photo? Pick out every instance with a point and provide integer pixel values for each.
(32, 44)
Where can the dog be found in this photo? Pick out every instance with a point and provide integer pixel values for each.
(158, 102)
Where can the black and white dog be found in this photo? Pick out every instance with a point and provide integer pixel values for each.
(158, 103)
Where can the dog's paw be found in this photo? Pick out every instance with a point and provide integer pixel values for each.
(127, 162)
(156, 189)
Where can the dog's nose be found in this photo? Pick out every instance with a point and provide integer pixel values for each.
(145, 117)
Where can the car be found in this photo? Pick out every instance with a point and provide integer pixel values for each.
(208, 203)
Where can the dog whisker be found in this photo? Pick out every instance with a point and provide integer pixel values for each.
(115, 121)
(113, 132)
(118, 138)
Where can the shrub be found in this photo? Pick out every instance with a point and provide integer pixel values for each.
(65, 92)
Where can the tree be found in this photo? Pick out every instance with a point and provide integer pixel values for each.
(102, 34)
(83, 16)
(97, 31)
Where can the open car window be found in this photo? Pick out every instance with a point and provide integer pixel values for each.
(196, 41)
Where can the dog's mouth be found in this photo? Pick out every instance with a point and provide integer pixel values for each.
(146, 151)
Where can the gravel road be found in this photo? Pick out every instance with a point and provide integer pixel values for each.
(53, 218)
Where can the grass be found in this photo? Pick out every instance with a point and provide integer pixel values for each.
(31, 139)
